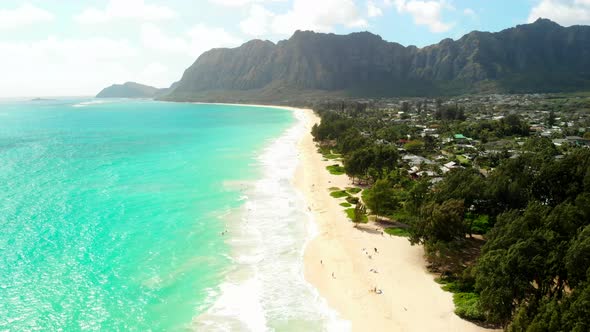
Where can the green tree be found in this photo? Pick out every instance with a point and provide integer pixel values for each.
(385, 159)
(551, 119)
(541, 145)
(465, 184)
(381, 198)
(417, 195)
(357, 163)
(360, 212)
(577, 259)
(439, 223)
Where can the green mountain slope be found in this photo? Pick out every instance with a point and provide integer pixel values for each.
(538, 57)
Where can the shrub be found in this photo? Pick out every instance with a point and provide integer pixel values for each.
(467, 306)
(352, 200)
(339, 194)
(481, 224)
(335, 169)
(353, 190)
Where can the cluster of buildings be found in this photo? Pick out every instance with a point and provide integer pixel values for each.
(565, 121)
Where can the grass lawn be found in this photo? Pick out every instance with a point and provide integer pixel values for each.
(345, 204)
(335, 169)
(395, 231)
(339, 194)
(353, 190)
(332, 156)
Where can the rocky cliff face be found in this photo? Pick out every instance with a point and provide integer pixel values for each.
(537, 57)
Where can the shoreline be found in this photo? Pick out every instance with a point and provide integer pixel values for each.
(265, 287)
(410, 300)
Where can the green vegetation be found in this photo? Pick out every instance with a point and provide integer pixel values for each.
(334, 189)
(529, 198)
(466, 300)
(350, 213)
(414, 146)
(396, 231)
(335, 169)
(345, 204)
(463, 161)
(381, 198)
(352, 200)
(339, 194)
(328, 154)
(357, 214)
(477, 224)
(467, 306)
(353, 190)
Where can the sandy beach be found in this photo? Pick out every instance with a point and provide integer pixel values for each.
(338, 262)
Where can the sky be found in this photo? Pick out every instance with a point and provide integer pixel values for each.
(76, 48)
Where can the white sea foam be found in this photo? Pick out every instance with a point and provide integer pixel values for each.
(266, 289)
(89, 103)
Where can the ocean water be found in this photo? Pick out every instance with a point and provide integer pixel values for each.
(152, 216)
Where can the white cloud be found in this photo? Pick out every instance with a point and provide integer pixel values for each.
(373, 10)
(239, 3)
(193, 43)
(22, 16)
(469, 12)
(203, 38)
(155, 74)
(428, 13)
(125, 9)
(154, 69)
(321, 16)
(92, 49)
(154, 38)
(564, 12)
(258, 21)
(56, 66)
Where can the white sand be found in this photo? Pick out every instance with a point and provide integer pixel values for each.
(410, 299)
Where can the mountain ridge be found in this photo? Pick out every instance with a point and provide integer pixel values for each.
(537, 57)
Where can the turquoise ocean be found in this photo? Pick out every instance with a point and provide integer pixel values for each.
(125, 215)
